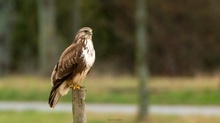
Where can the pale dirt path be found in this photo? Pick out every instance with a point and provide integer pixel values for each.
(114, 108)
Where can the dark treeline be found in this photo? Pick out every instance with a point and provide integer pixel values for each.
(183, 35)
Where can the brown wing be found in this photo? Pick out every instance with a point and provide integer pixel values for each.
(67, 63)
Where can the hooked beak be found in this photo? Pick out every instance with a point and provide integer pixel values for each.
(90, 32)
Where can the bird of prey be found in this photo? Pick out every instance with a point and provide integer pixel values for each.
(73, 66)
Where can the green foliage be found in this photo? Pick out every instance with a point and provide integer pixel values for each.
(25, 36)
(180, 32)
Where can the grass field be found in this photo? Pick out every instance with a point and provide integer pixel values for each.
(123, 89)
(61, 117)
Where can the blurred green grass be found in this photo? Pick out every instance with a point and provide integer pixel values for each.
(59, 117)
(123, 89)
(65, 117)
(34, 117)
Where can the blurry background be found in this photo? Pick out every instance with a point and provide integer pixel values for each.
(183, 36)
(183, 51)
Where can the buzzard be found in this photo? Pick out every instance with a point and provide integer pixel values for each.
(73, 66)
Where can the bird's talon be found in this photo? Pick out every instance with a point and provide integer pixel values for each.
(76, 87)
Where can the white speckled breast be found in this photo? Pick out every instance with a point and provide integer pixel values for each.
(88, 54)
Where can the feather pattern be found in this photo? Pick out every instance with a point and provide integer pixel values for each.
(73, 66)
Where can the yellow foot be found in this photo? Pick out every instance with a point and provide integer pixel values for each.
(76, 87)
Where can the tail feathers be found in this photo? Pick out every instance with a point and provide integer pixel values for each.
(54, 98)
(54, 95)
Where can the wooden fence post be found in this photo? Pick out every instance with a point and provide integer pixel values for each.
(78, 105)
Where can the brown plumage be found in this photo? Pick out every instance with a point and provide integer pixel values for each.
(73, 66)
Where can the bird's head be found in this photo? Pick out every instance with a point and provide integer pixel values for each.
(84, 32)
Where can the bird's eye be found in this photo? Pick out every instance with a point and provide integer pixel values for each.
(85, 31)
